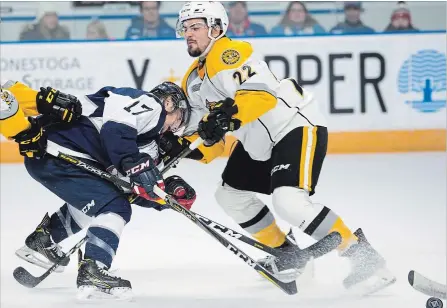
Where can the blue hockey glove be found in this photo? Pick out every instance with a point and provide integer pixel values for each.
(144, 175)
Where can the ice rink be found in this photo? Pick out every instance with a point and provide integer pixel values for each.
(398, 199)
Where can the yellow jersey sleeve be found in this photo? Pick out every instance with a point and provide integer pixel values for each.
(209, 153)
(17, 103)
(233, 68)
(252, 104)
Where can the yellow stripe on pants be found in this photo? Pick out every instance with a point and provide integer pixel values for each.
(307, 157)
(303, 157)
(312, 155)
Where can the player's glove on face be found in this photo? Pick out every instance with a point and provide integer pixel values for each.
(182, 192)
(144, 175)
(63, 107)
(214, 126)
(32, 142)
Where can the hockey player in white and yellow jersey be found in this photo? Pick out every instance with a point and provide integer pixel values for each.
(282, 142)
(20, 104)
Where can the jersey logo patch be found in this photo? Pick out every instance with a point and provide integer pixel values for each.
(230, 56)
(196, 87)
(8, 105)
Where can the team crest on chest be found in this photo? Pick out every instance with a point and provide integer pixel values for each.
(230, 56)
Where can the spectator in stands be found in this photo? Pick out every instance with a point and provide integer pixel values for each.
(149, 24)
(401, 21)
(240, 24)
(47, 28)
(96, 30)
(297, 21)
(352, 23)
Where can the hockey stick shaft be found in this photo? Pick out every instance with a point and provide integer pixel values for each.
(316, 250)
(289, 288)
(24, 277)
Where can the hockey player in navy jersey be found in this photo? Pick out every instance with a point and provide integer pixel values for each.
(119, 132)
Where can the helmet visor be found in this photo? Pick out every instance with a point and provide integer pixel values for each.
(182, 29)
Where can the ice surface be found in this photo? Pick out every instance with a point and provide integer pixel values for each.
(398, 199)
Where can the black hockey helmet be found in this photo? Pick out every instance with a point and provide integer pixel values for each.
(178, 98)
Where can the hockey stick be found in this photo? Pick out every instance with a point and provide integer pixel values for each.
(320, 248)
(289, 287)
(426, 285)
(26, 279)
(316, 250)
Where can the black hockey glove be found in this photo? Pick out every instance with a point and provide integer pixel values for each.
(63, 107)
(144, 175)
(32, 142)
(170, 147)
(214, 126)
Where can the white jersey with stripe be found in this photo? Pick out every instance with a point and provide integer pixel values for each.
(249, 83)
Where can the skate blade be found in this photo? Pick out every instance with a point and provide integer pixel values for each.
(89, 294)
(379, 281)
(36, 258)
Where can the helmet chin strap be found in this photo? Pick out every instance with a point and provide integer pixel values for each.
(210, 45)
(207, 49)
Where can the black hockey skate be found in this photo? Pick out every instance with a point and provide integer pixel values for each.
(40, 249)
(291, 264)
(368, 267)
(94, 281)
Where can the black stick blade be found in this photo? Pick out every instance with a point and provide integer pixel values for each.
(25, 278)
(288, 287)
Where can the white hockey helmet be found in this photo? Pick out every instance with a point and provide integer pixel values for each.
(213, 12)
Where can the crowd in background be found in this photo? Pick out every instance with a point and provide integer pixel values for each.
(295, 21)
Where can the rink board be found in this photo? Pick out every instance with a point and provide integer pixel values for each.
(339, 143)
(379, 93)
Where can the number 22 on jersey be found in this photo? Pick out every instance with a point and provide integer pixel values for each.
(243, 74)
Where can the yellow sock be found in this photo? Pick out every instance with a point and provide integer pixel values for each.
(271, 236)
(347, 237)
